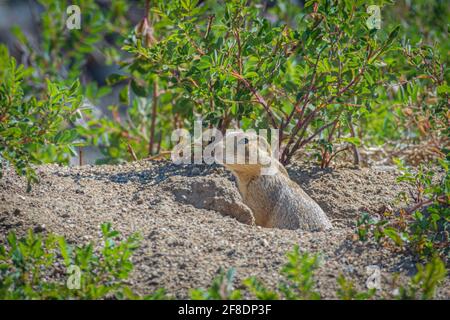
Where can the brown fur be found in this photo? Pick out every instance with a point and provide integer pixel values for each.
(277, 201)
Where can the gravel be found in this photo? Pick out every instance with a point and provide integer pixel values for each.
(187, 240)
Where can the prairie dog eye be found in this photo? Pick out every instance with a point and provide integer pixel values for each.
(243, 141)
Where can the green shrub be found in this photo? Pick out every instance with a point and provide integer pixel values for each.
(347, 290)
(424, 283)
(34, 129)
(424, 227)
(36, 267)
(429, 225)
(412, 107)
(298, 282)
(232, 66)
(298, 279)
(62, 54)
(48, 268)
(220, 289)
(320, 73)
(299, 274)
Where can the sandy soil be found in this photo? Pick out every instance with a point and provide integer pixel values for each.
(181, 213)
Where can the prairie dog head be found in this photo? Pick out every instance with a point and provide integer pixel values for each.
(246, 153)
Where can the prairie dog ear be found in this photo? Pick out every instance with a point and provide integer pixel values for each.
(264, 145)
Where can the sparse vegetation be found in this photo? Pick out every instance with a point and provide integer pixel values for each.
(423, 228)
(340, 89)
(34, 130)
(329, 80)
(37, 267)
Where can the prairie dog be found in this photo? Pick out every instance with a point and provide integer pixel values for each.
(276, 201)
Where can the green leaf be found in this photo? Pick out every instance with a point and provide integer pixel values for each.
(394, 235)
(251, 74)
(124, 95)
(204, 63)
(66, 136)
(392, 36)
(353, 140)
(443, 89)
(138, 89)
(115, 78)
(64, 250)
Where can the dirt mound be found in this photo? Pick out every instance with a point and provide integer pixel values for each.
(216, 194)
(183, 215)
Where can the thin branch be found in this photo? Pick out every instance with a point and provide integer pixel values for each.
(208, 28)
(300, 125)
(327, 163)
(325, 126)
(147, 8)
(356, 154)
(258, 97)
(300, 142)
(131, 151)
(305, 97)
(80, 155)
(419, 205)
(153, 121)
